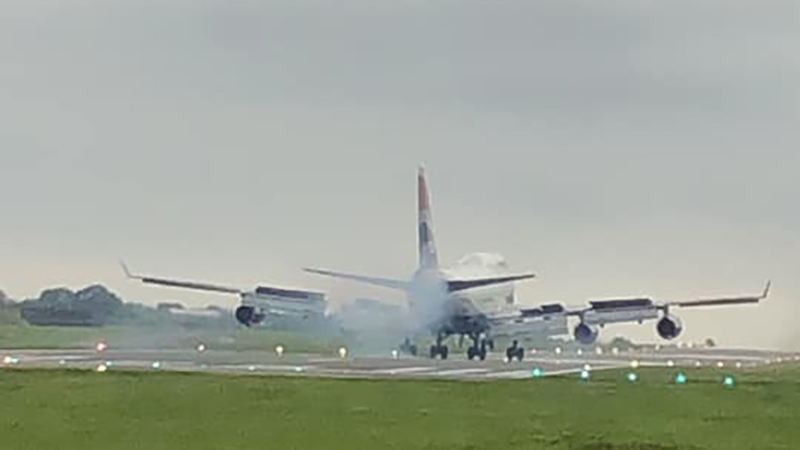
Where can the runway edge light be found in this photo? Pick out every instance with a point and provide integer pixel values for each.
(680, 379)
(537, 372)
(729, 381)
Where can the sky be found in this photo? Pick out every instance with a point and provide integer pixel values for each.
(615, 148)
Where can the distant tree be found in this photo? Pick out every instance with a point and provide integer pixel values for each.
(94, 305)
(4, 300)
(711, 343)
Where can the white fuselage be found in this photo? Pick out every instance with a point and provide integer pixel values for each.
(430, 301)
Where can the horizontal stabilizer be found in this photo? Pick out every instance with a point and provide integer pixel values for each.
(461, 285)
(375, 281)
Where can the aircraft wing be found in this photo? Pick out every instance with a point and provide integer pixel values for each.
(181, 284)
(646, 303)
(615, 310)
(724, 301)
(376, 281)
(461, 285)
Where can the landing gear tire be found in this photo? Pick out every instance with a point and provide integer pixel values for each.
(408, 348)
(477, 352)
(515, 352)
(439, 351)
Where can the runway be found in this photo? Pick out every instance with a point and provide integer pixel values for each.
(546, 363)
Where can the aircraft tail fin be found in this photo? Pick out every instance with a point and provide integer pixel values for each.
(428, 257)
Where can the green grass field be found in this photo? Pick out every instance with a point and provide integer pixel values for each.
(126, 336)
(84, 410)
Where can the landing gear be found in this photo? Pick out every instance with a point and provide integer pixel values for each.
(515, 352)
(408, 348)
(438, 349)
(476, 352)
(478, 349)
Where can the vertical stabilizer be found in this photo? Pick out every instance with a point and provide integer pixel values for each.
(428, 258)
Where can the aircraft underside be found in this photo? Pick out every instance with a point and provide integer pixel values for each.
(475, 327)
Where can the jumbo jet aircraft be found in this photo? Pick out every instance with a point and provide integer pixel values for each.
(478, 305)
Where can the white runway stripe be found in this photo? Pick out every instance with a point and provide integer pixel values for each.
(402, 370)
(450, 373)
(511, 374)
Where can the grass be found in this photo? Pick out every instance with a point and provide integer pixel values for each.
(83, 410)
(161, 336)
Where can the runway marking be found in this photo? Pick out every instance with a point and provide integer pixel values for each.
(57, 358)
(556, 373)
(515, 374)
(447, 373)
(721, 357)
(402, 370)
(264, 367)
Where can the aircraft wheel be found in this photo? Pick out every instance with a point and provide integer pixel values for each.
(408, 348)
(515, 352)
(472, 353)
(440, 351)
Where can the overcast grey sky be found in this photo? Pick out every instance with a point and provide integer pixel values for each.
(615, 147)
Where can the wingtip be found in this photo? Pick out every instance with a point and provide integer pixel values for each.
(767, 288)
(127, 271)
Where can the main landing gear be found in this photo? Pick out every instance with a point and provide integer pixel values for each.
(478, 348)
(408, 348)
(439, 350)
(515, 352)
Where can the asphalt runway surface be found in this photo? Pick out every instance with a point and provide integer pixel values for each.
(548, 363)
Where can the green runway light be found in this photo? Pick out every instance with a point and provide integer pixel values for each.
(633, 377)
(537, 372)
(585, 375)
(680, 379)
(728, 381)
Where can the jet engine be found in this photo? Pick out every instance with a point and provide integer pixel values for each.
(249, 315)
(585, 334)
(669, 327)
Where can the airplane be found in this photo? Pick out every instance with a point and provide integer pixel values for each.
(257, 304)
(447, 302)
(452, 305)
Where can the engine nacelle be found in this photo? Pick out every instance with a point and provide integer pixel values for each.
(585, 334)
(669, 327)
(249, 315)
